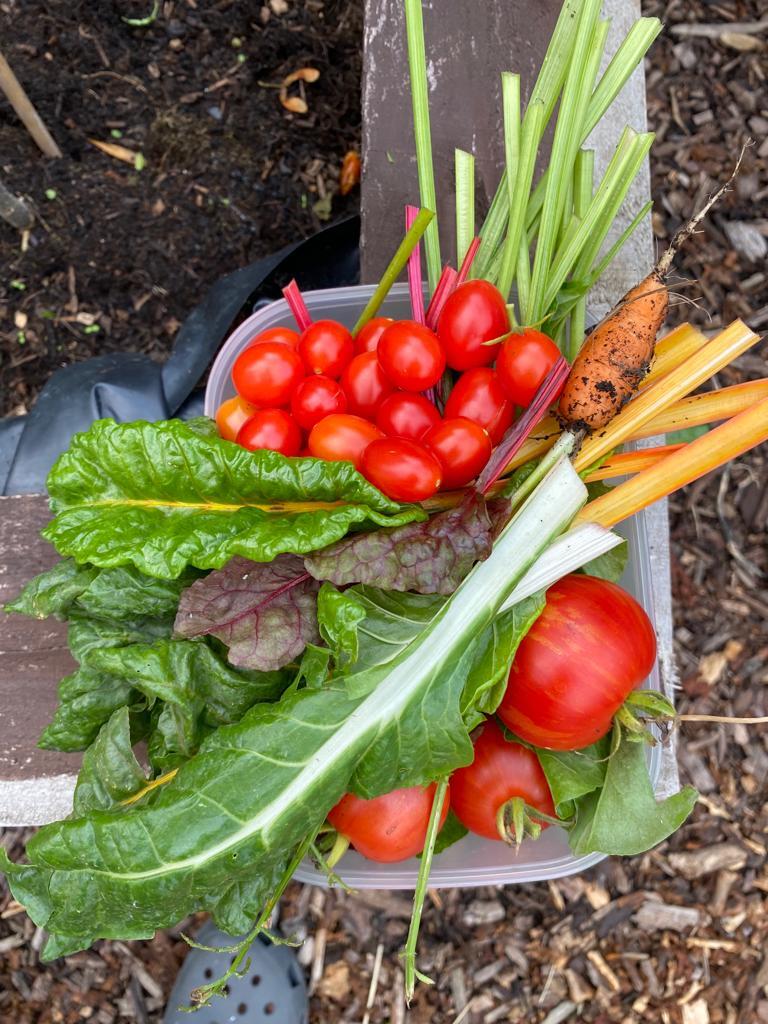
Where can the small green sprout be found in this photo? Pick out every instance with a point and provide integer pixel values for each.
(18, 284)
(139, 162)
(51, 193)
(143, 22)
(91, 329)
(116, 133)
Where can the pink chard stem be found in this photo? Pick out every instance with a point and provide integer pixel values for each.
(415, 279)
(514, 438)
(445, 286)
(466, 264)
(297, 306)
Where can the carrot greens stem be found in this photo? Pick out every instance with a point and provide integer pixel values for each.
(419, 895)
(395, 268)
(417, 62)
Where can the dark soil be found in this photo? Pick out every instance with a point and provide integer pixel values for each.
(118, 257)
(678, 935)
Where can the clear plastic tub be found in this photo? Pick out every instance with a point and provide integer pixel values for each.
(472, 861)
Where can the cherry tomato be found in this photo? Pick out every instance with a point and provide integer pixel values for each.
(267, 373)
(402, 469)
(283, 335)
(501, 771)
(406, 414)
(523, 363)
(365, 385)
(326, 347)
(273, 429)
(462, 448)
(473, 314)
(478, 396)
(387, 828)
(367, 338)
(316, 397)
(411, 356)
(589, 648)
(341, 437)
(231, 415)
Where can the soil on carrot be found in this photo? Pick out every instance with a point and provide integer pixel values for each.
(219, 173)
(678, 935)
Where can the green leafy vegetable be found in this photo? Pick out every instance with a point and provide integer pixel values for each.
(237, 810)
(451, 832)
(110, 771)
(572, 774)
(87, 699)
(432, 557)
(55, 591)
(623, 817)
(611, 565)
(266, 613)
(339, 616)
(161, 497)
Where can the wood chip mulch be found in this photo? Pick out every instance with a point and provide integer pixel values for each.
(679, 935)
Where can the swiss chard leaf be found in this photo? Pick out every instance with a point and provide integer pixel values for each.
(55, 591)
(162, 497)
(430, 558)
(87, 634)
(178, 729)
(87, 699)
(110, 771)
(623, 817)
(609, 566)
(266, 613)
(339, 616)
(572, 774)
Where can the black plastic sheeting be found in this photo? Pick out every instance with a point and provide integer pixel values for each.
(129, 386)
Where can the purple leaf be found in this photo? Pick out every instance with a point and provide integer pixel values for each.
(430, 558)
(266, 613)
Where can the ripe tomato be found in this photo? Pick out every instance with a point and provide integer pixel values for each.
(523, 363)
(473, 314)
(387, 828)
(589, 648)
(367, 338)
(231, 415)
(462, 448)
(501, 771)
(267, 373)
(365, 385)
(406, 414)
(283, 335)
(411, 355)
(341, 437)
(316, 397)
(326, 347)
(402, 469)
(273, 429)
(478, 396)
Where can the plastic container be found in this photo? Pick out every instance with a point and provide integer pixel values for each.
(472, 861)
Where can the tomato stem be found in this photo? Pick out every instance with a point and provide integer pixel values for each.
(409, 953)
(297, 306)
(516, 819)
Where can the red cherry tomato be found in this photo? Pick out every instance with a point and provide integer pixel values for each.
(342, 438)
(411, 356)
(267, 373)
(590, 647)
(282, 335)
(402, 469)
(326, 347)
(367, 338)
(316, 397)
(273, 429)
(231, 415)
(461, 447)
(387, 828)
(501, 771)
(406, 414)
(365, 385)
(473, 314)
(523, 363)
(478, 396)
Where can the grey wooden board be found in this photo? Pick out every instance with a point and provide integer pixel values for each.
(36, 786)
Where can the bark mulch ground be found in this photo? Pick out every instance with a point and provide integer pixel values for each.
(678, 935)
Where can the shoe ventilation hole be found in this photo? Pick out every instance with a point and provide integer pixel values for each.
(208, 972)
(264, 940)
(293, 977)
(269, 1009)
(242, 1008)
(256, 980)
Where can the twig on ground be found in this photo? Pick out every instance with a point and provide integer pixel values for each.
(22, 104)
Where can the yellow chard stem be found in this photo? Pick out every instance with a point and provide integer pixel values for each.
(701, 456)
(673, 350)
(625, 463)
(716, 354)
(709, 407)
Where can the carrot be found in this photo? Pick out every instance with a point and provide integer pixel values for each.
(618, 353)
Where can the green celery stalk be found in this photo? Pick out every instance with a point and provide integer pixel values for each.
(465, 202)
(584, 175)
(417, 62)
(510, 95)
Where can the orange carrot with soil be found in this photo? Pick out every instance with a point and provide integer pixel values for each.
(617, 354)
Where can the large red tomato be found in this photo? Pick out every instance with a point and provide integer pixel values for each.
(411, 356)
(478, 396)
(474, 313)
(404, 470)
(502, 770)
(590, 647)
(462, 447)
(387, 828)
(524, 361)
